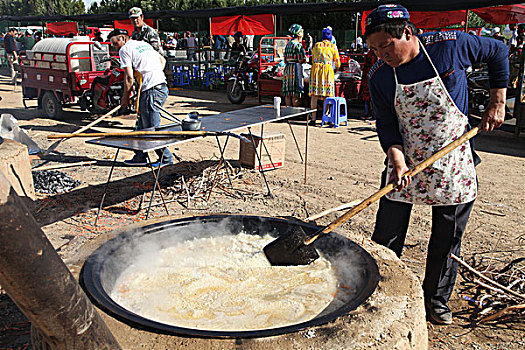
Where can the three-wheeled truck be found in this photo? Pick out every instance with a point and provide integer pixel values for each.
(58, 71)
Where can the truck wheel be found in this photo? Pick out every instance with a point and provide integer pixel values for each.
(236, 96)
(51, 106)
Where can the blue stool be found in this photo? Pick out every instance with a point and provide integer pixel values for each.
(337, 111)
(175, 74)
(184, 78)
(208, 79)
(181, 77)
(196, 72)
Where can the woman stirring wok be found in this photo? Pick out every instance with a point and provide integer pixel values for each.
(294, 57)
(420, 99)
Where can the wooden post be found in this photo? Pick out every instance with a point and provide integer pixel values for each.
(519, 110)
(466, 21)
(40, 284)
(356, 30)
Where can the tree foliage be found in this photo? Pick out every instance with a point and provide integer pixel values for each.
(41, 7)
(341, 21)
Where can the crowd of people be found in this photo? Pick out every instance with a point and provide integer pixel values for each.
(220, 44)
(16, 42)
(325, 56)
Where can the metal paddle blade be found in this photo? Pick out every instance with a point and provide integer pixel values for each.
(290, 249)
(52, 148)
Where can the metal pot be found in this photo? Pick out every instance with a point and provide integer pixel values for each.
(191, 124)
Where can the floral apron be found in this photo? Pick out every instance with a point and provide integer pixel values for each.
(428, 121)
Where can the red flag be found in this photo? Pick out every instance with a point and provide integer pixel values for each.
(62, 28)
(248, 25)
(502, 14)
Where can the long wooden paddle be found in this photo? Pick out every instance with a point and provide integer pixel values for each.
(135, 134)
(96, 121)
(149, 134)
(294, 249)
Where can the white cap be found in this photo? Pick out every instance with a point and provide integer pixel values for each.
(495, 30)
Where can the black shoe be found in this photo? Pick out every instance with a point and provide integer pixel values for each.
(438, 312)
(136, 161)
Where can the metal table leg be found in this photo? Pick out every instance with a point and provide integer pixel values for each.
(222, 150)
(160, 189)
(221, 159)
(106, 187)
(259, 160)
(267, 152)
(296, 144)
(266, 149)
(155, 185)
(306, 151)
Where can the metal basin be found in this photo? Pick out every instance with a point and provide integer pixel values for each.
(104, 266)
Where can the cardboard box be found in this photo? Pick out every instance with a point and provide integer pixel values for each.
(271, 151)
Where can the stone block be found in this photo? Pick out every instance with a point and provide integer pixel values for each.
(15, 165)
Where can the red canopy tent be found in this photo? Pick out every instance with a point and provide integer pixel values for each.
(502, 14)
(506, 14)
(248, 25)
(126, 24)
(62, 28)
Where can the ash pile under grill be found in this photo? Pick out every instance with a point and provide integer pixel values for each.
(53, 182)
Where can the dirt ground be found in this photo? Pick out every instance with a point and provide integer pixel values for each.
(344, 165)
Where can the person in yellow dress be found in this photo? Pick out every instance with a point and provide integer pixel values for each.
(324, 57)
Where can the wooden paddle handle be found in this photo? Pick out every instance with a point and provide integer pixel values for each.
(96, 121)
(331, 210)
(131, 134)
(415, 170)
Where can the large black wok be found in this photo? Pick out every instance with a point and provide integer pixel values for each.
(104, 266)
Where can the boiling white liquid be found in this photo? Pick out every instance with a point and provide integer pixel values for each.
(225, 284)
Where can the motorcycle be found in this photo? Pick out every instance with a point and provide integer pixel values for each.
(106, 91)
(479, 93)
(242, 80)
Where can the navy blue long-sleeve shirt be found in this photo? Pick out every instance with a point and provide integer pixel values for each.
(452, 53)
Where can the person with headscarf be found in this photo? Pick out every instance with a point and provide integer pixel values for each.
(324, 57)
(294, 57)
(333, 40)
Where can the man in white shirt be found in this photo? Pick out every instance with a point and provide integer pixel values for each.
(142, 57)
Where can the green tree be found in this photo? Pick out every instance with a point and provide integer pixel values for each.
(41, 7)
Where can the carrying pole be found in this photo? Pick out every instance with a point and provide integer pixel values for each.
(41, 285)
